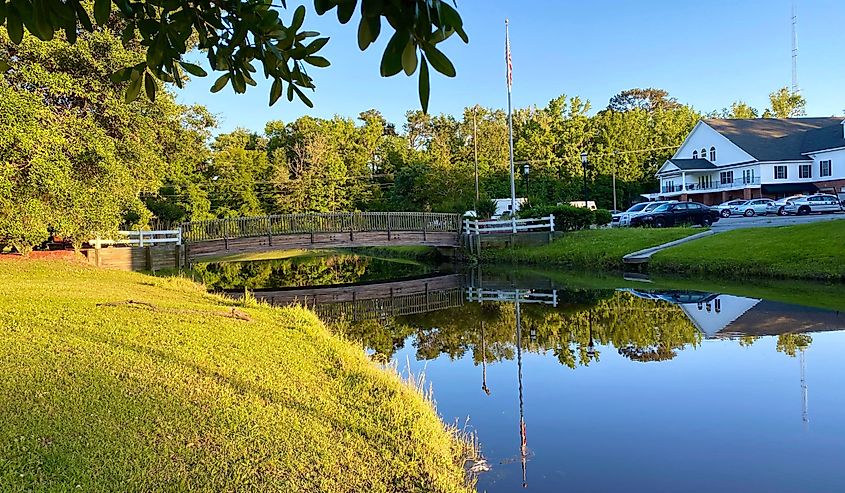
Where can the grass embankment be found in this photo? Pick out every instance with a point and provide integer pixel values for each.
(171, 392)
(805, 251)
(592, 248)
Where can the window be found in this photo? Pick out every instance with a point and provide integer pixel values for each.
(805, 171)
(824, 168)
(713, 154)
(695, 154)
(747, 176)
(726, 177)
(705, 181)
(703, 153)
(780, 173)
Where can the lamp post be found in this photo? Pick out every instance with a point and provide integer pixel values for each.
(526, 169)
(584, 164)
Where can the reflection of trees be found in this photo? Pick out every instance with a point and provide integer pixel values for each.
(302, 271)
(791, 343)
(642, 330)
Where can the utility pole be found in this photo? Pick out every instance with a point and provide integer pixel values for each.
(794, 48)
(615, 164)
(475, 151)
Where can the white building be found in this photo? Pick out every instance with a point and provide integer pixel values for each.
(722, 160)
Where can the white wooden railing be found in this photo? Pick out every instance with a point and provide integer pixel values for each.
(141, 238)
(479, 295)
(476, 227)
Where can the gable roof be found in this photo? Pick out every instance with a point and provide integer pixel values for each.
(781, 139)
(692, 164)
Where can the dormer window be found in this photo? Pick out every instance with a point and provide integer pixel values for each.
(703, 153)
(713, 154)
(695, 154)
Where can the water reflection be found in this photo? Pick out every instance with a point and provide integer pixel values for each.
(620, 383)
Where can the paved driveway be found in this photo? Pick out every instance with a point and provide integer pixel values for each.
(737, 222)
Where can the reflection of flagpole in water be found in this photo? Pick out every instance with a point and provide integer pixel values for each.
(483, 362)
(805, 416)
(523, 445)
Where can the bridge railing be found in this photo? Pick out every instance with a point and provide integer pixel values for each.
(335, 222)
(476, 227)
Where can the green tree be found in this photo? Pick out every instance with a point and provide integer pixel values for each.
(785, 104)
(650, 99)
(236, 35)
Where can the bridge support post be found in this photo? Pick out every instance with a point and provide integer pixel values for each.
(270, 231)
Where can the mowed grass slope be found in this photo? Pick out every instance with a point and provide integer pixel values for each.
(182, 397)
(805, 251)
(592, 248)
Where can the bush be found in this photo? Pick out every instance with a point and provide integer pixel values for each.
(567, 217)
(486, 208)
(602, 217)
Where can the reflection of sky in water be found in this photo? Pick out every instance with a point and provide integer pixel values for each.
(722, 417)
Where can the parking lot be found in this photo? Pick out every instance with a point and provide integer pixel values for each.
(737, 222)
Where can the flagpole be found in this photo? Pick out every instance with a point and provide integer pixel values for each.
(510, 126)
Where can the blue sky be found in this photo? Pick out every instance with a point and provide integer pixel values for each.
(705, 53)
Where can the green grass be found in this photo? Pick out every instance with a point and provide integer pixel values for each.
(806, 251)
(180, 396)
(594, 248)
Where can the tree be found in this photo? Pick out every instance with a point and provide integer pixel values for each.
(785, 104)
(237, 34)
(650, 99)
(740, 110)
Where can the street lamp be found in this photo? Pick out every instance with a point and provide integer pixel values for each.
(526, 169)
(584, 165)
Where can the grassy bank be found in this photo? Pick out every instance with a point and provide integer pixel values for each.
(806, 251)
(595, 248)
(120, 381)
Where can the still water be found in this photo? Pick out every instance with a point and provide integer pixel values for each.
(587, 383)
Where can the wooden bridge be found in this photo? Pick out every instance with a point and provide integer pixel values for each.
(219, 237)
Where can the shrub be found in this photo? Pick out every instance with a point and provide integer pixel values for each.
(602, 216)
(567, 217)
(486, 208)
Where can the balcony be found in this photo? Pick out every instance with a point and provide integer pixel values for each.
(716, 185)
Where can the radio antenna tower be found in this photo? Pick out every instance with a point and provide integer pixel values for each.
(795, 88)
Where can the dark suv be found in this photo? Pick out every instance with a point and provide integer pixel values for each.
(676, 214)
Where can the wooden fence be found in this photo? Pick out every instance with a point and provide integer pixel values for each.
(350, 222)
(141, 238)
(474, 227)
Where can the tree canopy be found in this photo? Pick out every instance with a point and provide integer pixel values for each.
(238, 35)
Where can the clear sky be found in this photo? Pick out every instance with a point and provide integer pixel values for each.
(706, 53)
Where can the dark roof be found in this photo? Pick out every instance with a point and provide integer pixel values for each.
(780, 139)
(690, 164)
(773, 318)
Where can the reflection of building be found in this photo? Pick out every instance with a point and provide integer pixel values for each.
(724, 315)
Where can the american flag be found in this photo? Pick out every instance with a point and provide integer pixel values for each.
(508, 56)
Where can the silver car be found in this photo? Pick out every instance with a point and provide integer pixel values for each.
(625, 218)
(814, 203)
(777, 207)
(752, 207)
(724, 209)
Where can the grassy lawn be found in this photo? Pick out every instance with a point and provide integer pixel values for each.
(594, 248)
(173, 392)
(805, 251)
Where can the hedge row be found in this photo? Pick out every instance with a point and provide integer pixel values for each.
(567, 217)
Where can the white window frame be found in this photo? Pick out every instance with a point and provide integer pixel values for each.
(785, 172)
(695, 154)
(822, 164)
(713, 153)
(728, 174)
(703, 153)
(805, 169)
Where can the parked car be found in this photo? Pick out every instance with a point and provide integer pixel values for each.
(677, 213)
(724, 209)
(625, 219)
(821, 202)
(777, 206)
(752, 207)
(615, 218)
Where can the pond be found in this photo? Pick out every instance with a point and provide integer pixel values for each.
(598, 383)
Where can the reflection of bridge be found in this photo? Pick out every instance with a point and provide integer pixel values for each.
(204, 239)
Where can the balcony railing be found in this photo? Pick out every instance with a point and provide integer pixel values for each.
(716, 185)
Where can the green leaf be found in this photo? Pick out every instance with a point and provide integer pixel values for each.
(368, 31)
(409, 58)
(14, 26)
(134, 89)
(303, 97)
(317, 61)
(391, 60)
(4, 65)
(424, 87)
(298, 18)
(102, 9)
(121, 75)
(438, 60)
(193, 69)
(220, 83)
(150, 86)
(316, 46)
(345, 9)
(275, 91)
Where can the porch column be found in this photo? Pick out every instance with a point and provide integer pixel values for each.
(683, 181)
